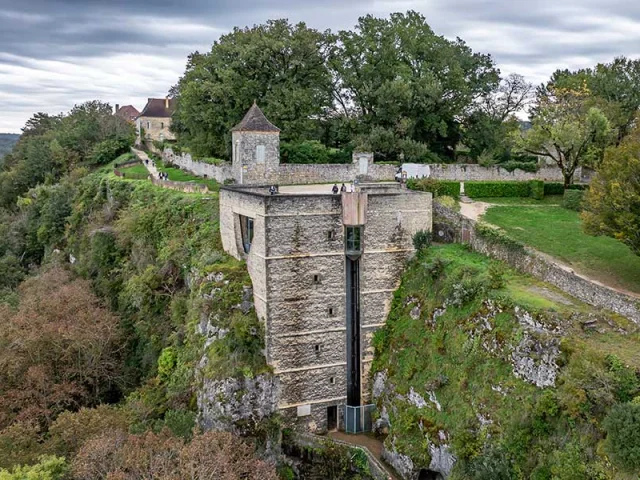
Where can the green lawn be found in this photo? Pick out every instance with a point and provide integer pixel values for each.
(138, 169)
(178, 175)
(547, 200)
(558, 232)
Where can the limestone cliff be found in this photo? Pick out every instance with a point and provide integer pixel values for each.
(481, 373)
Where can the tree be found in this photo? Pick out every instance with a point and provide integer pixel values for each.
(623, 435)
(615, 88)
(47, 468)
(566, 130)
(409, 84)
(59, 350)
(281, 66)
(612, 204)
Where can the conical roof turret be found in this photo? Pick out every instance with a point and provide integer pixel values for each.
(255, 121)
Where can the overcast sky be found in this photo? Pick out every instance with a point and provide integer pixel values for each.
(56, 53)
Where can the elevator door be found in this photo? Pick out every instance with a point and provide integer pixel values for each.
(353, 331)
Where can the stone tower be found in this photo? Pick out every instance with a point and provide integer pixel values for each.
(255, 148)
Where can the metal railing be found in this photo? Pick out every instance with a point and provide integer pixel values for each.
(358, 419)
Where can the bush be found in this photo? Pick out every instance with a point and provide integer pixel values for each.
(536, 188)
(312, 151)
(556, 188)
(109, 150)
(572, 199)
(48, 468)
(496, 189)
(422, 240)
(623, 435)
(449, 202)
(437, 187)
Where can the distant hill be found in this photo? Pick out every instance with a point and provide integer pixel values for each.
(7, 141)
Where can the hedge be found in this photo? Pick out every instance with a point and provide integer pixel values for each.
(572, 199)
(437, 187)
(496, 189)
(557, 188)
(536, 189)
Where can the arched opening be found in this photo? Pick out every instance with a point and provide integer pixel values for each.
(426, 474)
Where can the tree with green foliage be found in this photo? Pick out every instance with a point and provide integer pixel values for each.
(565, 129)
(612, 203)
(409, 87)
(614, 87)
(623, 435)
(48, 468)
(279, 65)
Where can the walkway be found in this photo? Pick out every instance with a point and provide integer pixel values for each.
(370, 443)
(147, 162)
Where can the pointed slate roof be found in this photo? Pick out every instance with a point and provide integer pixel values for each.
(255, 121)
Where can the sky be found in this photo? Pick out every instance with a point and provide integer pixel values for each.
(57, 53)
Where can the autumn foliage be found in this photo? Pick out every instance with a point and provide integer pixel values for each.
(59, 350)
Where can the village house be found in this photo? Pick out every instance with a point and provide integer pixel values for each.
(155, 119)
(128, 113)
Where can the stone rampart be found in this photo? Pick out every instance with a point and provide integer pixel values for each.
(219, 173)
(452, 226)
(473, 172)
(187, 187)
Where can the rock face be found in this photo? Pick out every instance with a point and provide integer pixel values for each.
(400, 463)
(236, 404)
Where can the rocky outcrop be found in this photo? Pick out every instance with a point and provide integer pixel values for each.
(236, 404)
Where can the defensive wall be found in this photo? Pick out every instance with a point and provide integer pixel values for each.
(451, 226)
(292, 173)
(298, 267)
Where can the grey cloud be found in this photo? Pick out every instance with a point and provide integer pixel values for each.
(55, 53)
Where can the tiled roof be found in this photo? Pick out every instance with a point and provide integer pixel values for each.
(128, 112)
(255, 121)
(157, 107)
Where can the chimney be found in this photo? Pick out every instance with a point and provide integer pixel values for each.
(117, 108)
(166, 103)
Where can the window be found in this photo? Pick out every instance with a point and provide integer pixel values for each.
(260, 154)
(332, 380)
(317, 348)
(316, 278)
(161, 124)
(331, 312)
(331, 235)
(148, 125)
(353, 240)
(246, 229)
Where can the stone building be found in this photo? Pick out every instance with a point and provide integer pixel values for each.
(155, 119)
(128, 113)
(324, 268)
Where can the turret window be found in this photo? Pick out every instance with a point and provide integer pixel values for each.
(260, 154)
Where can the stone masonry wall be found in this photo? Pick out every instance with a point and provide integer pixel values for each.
(219, 173)
(300, 292)
(535, 264)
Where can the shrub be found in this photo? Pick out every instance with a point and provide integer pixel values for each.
(536, 188)
(312, 151)
(572, 199)
(449, 202)
(47, 468)
(437, 187)
(556, 188)
(496, 189)
(623, 435)
(496, 276)
(422, 240)
(109, 150)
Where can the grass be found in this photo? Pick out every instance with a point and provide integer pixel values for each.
(558, 232)
(137, 170)
(178, 175)
(547, 200)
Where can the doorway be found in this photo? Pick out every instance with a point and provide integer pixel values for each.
(332, 418)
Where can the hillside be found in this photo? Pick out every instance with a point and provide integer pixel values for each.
(487, 374)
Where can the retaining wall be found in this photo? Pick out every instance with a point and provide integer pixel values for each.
(187, 187)
(452, 226)
(219, 173)
(473, 172)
